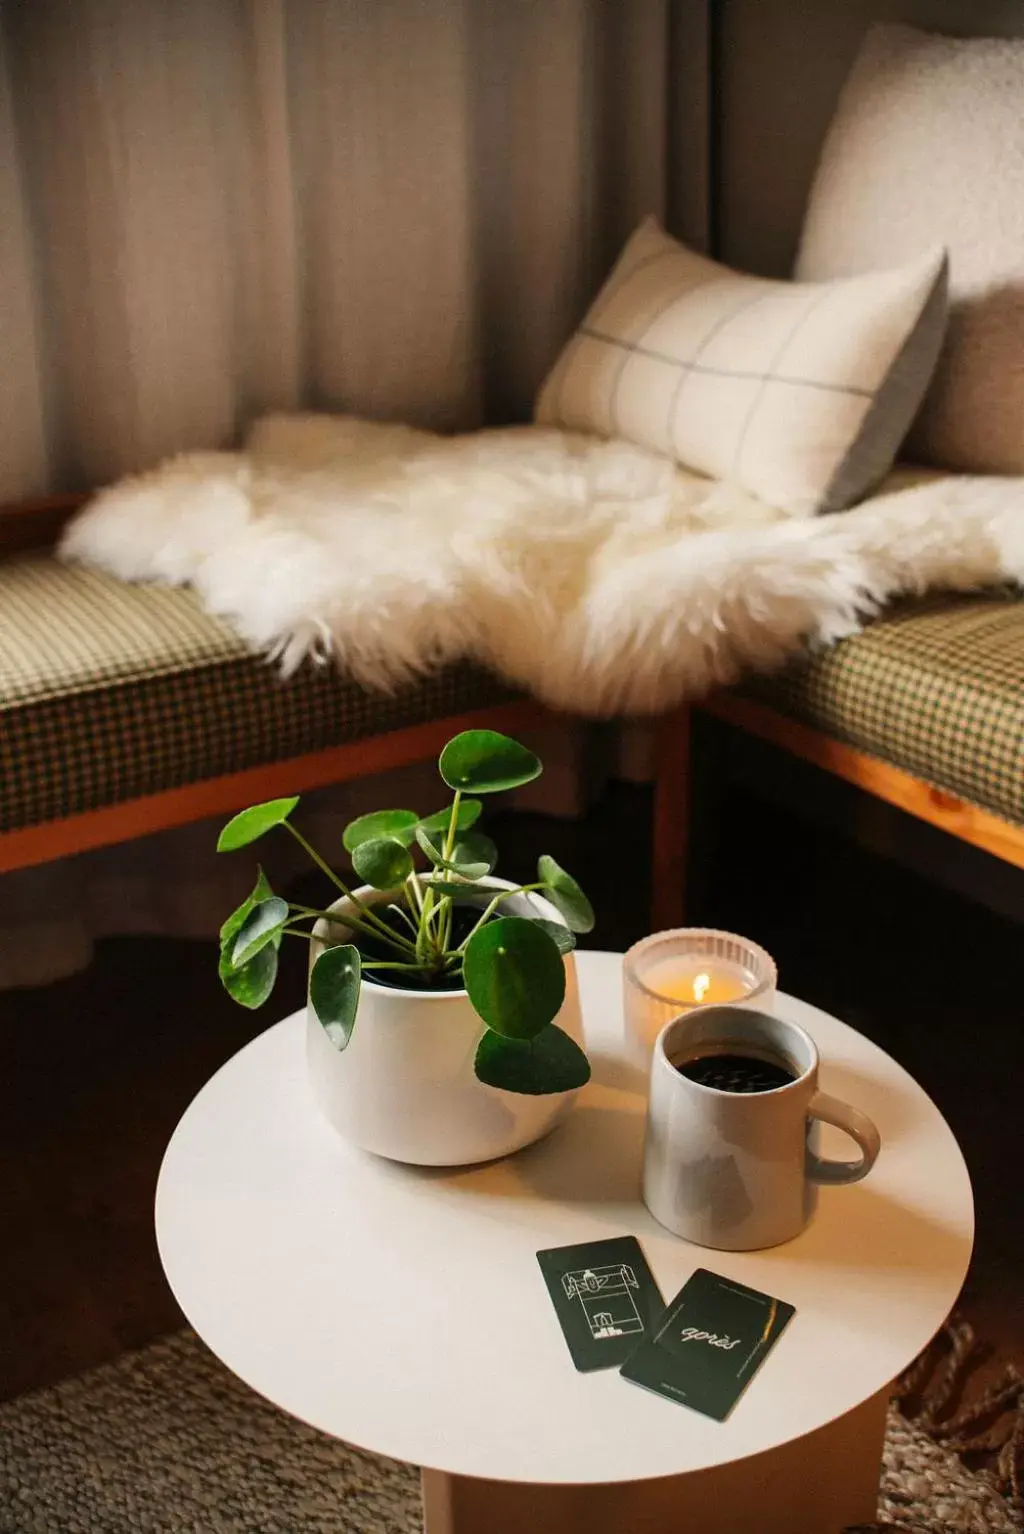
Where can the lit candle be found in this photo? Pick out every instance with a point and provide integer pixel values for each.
(675, 971)
(696, 979)
(692, 980)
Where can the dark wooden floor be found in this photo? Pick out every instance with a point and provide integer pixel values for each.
(95, 1071)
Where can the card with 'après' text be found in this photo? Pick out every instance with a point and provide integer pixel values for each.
(706, 1347)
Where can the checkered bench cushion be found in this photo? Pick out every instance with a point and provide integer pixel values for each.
(936, 687)
(109, 691)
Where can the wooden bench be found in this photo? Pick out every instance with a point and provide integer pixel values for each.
(924, 710)
(79, 770)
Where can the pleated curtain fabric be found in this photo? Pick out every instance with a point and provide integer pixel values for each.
(214, 208)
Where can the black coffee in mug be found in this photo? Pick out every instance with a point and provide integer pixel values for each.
(733, 1072)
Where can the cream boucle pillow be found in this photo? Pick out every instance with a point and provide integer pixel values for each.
(799, 392)
(927, 144)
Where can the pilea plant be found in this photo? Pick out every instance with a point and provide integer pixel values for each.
(439, 924)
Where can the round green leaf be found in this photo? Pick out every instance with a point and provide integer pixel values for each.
(484, 762)
(565, 895)
(459, 891)
(397, 823)
(334, 991)
(514, 975)
(248, 825)
(262, 925)
(472, 856)
(469, 814)
(549, 1062)
(251, 984)
(559, 934)
(430, 842)
(383, 862)
(233, 925)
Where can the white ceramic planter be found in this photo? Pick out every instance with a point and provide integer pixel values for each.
(405, 1086)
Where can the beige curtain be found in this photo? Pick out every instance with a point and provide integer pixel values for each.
(211, 208)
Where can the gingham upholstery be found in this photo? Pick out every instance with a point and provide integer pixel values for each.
(109, 691)
(936, 687)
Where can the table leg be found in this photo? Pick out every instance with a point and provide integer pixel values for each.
(818, 1484)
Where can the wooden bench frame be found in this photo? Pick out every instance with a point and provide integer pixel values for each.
(54, 839)
(980, 828)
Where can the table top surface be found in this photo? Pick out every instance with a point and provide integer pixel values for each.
(402, 1309)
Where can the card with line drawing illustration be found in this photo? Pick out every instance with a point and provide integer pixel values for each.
(605, 1298)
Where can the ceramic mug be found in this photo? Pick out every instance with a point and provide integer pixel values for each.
(740, 1170)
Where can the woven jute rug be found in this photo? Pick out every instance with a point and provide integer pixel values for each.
(167, 1440)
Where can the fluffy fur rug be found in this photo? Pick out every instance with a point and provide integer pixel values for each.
(599, 576)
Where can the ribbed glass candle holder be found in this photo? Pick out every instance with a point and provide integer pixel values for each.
(686, 967)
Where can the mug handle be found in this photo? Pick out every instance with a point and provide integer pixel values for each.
(852, 1122)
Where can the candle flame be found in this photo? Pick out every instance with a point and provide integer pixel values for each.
(700, 986)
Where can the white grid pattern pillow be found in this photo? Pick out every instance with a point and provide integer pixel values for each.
(799, 392)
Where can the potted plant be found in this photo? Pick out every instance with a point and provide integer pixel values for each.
(443, 1019)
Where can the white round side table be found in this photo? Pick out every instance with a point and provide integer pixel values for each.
(402, 1309)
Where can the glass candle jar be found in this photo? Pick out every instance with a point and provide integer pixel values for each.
(672, 972)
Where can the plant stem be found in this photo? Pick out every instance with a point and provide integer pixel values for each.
(317, 859)
(453, 824)
(444, 925)
(389, 935)
(365, 911)
(426, 943)
(489, 910)
(403, 913)
(426, 939)
(414, 893)
(366, 963)
(426, 907)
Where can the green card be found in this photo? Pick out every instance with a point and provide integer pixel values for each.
(707, 1346)
(605, 1298)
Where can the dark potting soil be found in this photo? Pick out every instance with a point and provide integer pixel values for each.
(464, 919)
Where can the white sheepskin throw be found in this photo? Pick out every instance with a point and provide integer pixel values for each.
(597, 575)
